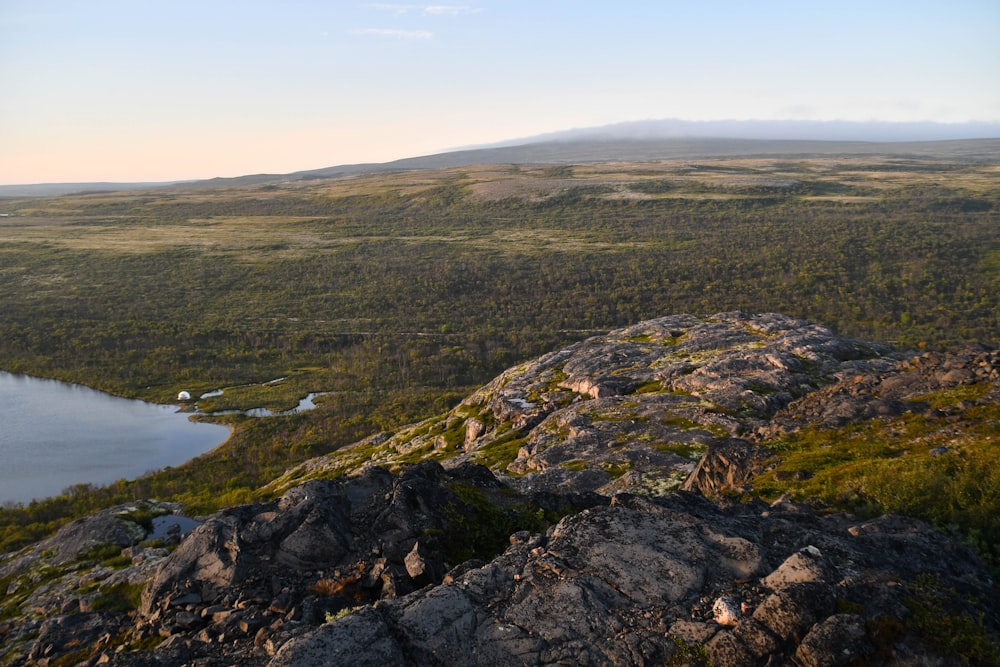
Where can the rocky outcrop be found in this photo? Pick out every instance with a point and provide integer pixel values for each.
(579, 509)
(728, 465)
(252, 576)
(632, 410)
(641, 582)
(121, 527)
(890, 392)
(70, 592)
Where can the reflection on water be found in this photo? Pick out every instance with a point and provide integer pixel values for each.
(304, 404)
(54, 435)
(164, 525)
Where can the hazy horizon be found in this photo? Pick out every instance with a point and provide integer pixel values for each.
(111, 91)
(833, 132)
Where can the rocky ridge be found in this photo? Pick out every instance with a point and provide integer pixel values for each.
(647, 400)
(673, 581)
(560, 513)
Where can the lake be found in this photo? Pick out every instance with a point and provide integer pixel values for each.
(54, 435)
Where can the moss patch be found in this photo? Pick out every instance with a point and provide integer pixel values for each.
(689, 450)
(942, 472)
(480, 525)
(500, 453)
(123, 597)
(939, 617)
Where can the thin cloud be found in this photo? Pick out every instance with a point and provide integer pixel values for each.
(439, 10)
(392, 32)
(451, 10)
(396, 9)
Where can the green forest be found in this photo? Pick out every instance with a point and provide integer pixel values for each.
(399, 293)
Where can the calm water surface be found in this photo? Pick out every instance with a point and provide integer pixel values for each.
(54, 435)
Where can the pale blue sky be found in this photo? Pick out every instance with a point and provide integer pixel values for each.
(131, 90)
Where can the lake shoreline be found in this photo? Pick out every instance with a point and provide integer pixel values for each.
(58, 435)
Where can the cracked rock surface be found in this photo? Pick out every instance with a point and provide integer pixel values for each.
(630, 583)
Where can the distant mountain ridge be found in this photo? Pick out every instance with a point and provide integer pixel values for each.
(773, 130)
(56, 189)
(640, 141)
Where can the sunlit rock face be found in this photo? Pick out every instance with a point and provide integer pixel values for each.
(635, 409)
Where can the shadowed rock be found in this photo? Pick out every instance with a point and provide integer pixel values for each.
(622, 585)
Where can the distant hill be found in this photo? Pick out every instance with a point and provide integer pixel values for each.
(643, 141)
(773, 130)
(595, 149)
(56, 189)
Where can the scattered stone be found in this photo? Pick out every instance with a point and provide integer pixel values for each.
(840, 640)
(800, 568)
(184, 600)
(416, 563)
(185, 620)
(281, 604)
(726, 611)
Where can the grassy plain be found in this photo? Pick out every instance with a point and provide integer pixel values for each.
(152, 292)
(399, 292)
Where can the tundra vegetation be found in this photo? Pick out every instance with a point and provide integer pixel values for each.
(397, 294)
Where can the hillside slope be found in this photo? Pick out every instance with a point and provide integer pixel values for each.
(687, 490)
